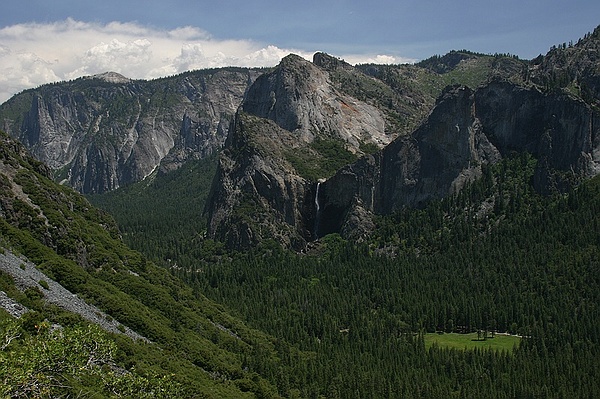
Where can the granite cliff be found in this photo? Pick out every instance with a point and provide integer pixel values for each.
(102, 132)
(467, 129)
(279, 144)
(261, 191)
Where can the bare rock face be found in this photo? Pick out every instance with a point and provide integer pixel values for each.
(258, 192)
(465, 130)
(299, 98)
(106, 131)
(562, 131)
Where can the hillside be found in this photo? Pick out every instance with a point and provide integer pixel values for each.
(351, 213)
(182, 339)
(498, 257)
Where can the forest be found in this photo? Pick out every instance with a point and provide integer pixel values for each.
(350, 319)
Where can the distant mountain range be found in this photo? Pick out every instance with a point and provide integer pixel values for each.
(379, 205)
(356, 141)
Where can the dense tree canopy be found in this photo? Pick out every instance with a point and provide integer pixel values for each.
(498, 257)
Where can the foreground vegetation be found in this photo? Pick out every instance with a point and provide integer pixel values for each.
(196, 346)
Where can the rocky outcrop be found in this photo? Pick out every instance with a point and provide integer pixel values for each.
(258, 191)
(465, 130)
(25, 275)
(575, 67)
(299, 97)
(257, 194)
(106, 131)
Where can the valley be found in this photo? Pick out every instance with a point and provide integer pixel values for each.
(312, 230)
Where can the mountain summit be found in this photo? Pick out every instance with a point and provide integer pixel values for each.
(102, 132)
(268, 186)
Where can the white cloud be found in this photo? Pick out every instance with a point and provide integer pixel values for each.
(34, 54)
(377, 59)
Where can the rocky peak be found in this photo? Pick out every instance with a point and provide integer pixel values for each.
(102, 132)
(299, 97)
(111, 77)
(574, 67)
(329, 62)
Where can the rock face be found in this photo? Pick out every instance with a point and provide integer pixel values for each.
(300, 98)
(258, 193)
(465, 130)
(315, 148)
(105, 131)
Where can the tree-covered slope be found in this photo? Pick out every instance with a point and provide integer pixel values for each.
(194, 343)
(496, 257)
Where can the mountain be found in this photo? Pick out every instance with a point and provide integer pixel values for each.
(106, 131)
(319, 147)
(292, 125)
(478, 218)
(64, 270)
(297, 126)
(263, 189)
(468, 129)
(102, 132)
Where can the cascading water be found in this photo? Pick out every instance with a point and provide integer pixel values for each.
(318, 209)
(372, 198)
(317, 197)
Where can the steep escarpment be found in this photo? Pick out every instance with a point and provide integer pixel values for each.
(292, 129)
(299, 97)
(257, 194)
(106, 131)
(281, 186)
(465, 130)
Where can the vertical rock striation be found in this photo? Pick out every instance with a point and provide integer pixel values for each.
(106, 131)
(258, 192)
(465, 130)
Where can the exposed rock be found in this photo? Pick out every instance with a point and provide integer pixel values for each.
(111, 77)
(106, 131)
(257, 192)
(25, 275)
(289, 108)
(299, 97)
(465, 130)
(573, 67)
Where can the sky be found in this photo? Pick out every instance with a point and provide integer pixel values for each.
(44, 41)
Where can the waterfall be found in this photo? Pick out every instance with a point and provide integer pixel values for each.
(317, 197)
(318, 209)
(373, 198)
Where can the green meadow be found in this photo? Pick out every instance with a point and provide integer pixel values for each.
(471, 341)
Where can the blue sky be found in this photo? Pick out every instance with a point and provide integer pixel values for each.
(43, 41)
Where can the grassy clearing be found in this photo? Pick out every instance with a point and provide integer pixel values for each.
(470, 341)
